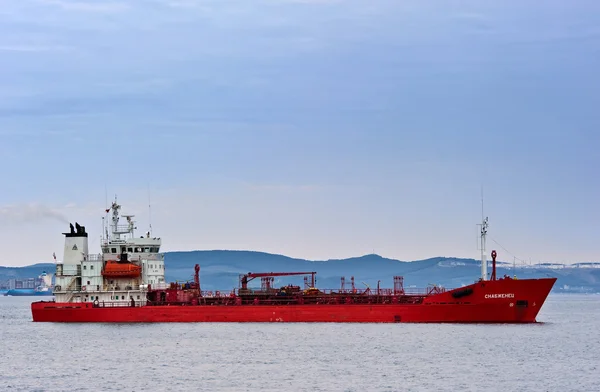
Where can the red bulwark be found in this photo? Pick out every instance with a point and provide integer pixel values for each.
(504, 300)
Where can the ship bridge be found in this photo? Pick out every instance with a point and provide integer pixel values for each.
(121, 238)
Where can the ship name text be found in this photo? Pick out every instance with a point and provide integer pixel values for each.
(504, 295)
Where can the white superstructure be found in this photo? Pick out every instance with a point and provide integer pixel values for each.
(122, 271)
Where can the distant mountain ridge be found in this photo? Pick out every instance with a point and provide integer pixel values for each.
(220, 270)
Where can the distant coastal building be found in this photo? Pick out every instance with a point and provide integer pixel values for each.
(586, 265)
(560, 265)
(27, 283)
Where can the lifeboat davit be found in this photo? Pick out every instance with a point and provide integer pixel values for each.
(116, 269)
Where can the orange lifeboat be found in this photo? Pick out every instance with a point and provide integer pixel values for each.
(115, 269)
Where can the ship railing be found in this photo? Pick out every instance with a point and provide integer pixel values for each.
(152, 257)
(68, 270)
(219, 294)
(414, 291)
(138, 258)
(119, 304)
(317, 291)
(69, 287)
(328, 292)
(123, 229)
(114, 242)
(93, 288)
(369, 291)
(435, 290)
(94, 257)
(117, 287)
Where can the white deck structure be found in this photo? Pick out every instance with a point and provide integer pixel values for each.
(81, 276)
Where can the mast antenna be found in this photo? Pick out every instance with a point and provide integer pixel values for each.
(482, 235)
(482, 202)
(104, 221)
(149, 210)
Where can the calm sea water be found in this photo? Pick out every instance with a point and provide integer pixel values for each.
(560, 354)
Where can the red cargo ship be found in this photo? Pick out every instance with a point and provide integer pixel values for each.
(134, 290)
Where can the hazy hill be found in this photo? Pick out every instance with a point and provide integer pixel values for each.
(220, 269)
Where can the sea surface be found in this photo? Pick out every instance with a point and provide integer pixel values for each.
(561, 353)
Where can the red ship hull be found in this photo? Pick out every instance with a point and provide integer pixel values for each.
(496, 301)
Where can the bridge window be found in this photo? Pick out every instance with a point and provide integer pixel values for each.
(129, 250)
(113, 250)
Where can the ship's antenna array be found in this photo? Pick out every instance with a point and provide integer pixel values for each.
(104, 233)
(482, 234)
(149, 211)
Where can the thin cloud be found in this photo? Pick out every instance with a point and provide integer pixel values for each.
(33, 212)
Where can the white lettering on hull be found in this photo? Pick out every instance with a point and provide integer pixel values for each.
(495, 296)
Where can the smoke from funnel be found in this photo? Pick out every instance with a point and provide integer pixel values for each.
(29, 213)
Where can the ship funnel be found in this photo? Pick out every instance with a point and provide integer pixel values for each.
(76, 245)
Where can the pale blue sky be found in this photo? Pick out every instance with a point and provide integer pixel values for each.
(315, 129)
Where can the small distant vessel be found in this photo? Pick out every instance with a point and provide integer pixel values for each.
(44, 289)
(125, 283)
